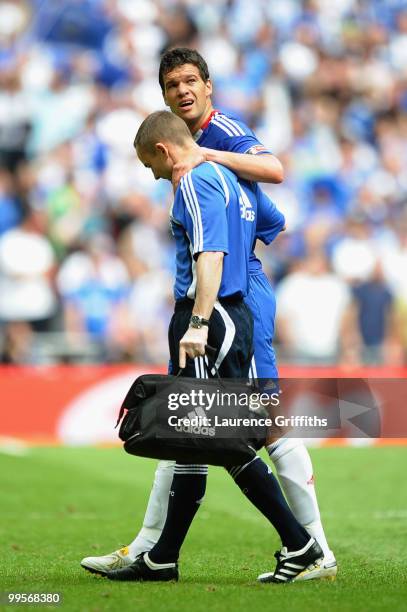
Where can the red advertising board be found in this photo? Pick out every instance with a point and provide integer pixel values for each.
(64, 404)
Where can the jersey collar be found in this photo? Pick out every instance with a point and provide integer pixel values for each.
(203, 127)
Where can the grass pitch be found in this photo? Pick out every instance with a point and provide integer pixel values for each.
(61, 504)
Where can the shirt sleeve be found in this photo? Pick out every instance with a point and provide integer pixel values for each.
(236, 137)
(246, 143)
(205, 211)
(270, 221)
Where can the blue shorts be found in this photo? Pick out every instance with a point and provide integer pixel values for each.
(262, 303)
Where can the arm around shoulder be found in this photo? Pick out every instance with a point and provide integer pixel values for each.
(263, 168)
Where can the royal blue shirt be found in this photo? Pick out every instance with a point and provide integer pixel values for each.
(226, 133)
(214, 211)
(270, 222)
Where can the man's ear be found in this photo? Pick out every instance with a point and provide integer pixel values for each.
(162, 149)
(164, 97)
(208, 85)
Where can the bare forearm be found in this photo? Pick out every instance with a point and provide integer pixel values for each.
(264, 168)
(209, 273)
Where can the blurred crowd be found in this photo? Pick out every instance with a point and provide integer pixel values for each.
(86, 258)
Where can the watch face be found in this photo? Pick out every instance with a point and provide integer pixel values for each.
(197, 321)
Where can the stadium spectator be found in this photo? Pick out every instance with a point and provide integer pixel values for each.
(15, 119)
(314, 319)
(353, 256)
(94, 287)
(376, 316)
(28, 301)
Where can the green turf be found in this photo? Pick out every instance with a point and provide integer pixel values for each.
(59, 505)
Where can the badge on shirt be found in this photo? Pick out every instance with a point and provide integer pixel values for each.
(257, 149)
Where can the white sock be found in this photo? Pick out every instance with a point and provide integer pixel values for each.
(156, 511)
(294, 470)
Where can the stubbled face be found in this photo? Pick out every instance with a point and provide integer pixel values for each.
(160, 162)
(187, 95)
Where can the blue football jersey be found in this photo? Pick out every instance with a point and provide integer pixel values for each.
(270, 222)
(213, 211)
(226, 133)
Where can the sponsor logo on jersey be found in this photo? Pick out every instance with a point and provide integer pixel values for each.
(246, 209)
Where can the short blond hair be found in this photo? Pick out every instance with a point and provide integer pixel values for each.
(161, 126)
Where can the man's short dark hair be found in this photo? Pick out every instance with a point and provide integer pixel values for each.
(161, 126)
(178, 57)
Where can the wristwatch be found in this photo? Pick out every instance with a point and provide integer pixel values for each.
(197, 322)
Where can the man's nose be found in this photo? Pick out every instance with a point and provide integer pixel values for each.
(182, 89)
